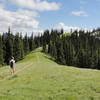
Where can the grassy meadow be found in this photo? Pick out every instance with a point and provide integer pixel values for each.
(44, 79)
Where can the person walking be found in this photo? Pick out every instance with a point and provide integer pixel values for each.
(12, 65)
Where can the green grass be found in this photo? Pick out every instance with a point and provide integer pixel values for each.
(68, 34)
(46, 80)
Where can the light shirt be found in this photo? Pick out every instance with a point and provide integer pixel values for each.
(12, 60)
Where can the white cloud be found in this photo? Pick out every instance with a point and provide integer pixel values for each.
(42, 5)
(65, 28)
(38, 32)
(79, 13)
(21, 20)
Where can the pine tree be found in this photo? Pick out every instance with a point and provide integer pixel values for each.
(1, 52)
(22, 48)
(4, 46)
(81, 58)
(60, 52)
(17, 47)
(31, 43)
(46, 37)
(62, 31)
(54, 51)
(44, 46)
(26, 45)
(9, 46)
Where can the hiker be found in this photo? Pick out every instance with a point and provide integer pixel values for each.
(12, 65)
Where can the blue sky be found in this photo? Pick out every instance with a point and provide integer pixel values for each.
(38, 15)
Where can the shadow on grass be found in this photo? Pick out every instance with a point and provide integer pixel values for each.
(68, 65)
(1, 76)
(14, 76)
(50, 58)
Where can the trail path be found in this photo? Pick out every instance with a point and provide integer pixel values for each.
(37, 56)
(21, 69)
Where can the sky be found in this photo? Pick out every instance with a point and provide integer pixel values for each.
(39, 15)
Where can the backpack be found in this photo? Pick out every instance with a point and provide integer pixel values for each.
(11, 63)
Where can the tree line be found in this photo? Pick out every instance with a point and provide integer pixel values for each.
(81, 49)
(16, 46)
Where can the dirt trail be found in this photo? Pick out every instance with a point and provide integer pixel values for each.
(9, 76)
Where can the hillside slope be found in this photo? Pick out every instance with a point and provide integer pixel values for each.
(39, 78)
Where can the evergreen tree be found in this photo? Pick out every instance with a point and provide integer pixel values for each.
(1, 52)
(26, 45)
(60, 53)
(54, 51)
(21, 46)
(17, 47)
(31, 43)
(81, 58)
(62, 31)
(44, 46)
(46, 37)
(4, 46)
(9, 46)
